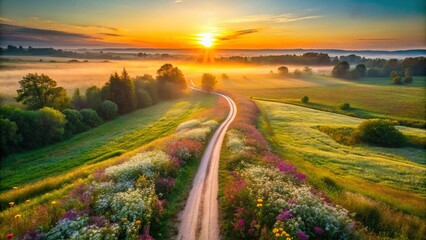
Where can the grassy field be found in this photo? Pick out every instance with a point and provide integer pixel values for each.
(110, 139)
(395, 177)
(374, 97)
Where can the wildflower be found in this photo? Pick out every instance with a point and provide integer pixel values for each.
(28, 200)
(259, 205)
(300, 177)
(17, 216)
(302, 235)
(250, 231)
(277, 235)
(284, 216)
(275, 230)
(11, 204)
(281, 229)
(15, 188)
(260, 200)
(9, 236)
(53, 202)
(318, 230)
(124, 219)
(241, 223)
(138, 222)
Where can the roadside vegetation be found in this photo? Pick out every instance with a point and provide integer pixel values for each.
(134, 196)
(263, 196)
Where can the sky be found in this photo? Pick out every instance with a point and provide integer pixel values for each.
(233, 24)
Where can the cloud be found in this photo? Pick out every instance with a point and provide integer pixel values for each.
(20, 35)
(281, 18)
(99, 27)
(6, 20)
(376, 39)
(238, 34)
(111, 34)
(178, 1)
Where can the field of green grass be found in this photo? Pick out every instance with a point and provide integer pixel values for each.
(394, 177)
(370, 97)
(108, 140)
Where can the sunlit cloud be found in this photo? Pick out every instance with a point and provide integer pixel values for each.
(238, 34)
(282, 18)
(6, 20)
(111, 34)
(99, 27)
(178, 1)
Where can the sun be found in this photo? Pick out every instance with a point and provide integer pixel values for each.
(206, 39)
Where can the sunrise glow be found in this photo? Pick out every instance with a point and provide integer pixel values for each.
(206, 39)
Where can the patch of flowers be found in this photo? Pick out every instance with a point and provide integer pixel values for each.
(267, 198)
(123, 201)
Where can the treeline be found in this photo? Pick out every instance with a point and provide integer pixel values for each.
(51, 52)
(399, 71)
(52, 116)
(309, 58)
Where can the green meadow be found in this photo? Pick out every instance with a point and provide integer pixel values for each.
(369, 97)
(391, 181)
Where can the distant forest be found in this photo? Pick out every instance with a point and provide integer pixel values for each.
(378, 67)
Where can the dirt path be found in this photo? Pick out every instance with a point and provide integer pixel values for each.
(199, 219)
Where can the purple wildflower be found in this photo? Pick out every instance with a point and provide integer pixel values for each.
(300, 177)
(250, 231)
(302, 235)
(287, 168)
(284, 216)
(318, 230)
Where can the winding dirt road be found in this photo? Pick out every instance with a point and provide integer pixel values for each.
(199, 219)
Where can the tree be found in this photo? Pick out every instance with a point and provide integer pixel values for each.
(396, 79)
(305, 99)
(90, 118)
(122, 92)
(361, 69)
(38, 91)
(408, 76)
(225, 76)
(74, 123)
(77, 101)
(345, 106)
(146, 90)
(108, 110)
(143, 98)
(283, 70)
(171, 81)
(208, 81)
(52, 125)
(341, 70)
(307, 71)
(93, 97)
(9, 137)
(297, 73)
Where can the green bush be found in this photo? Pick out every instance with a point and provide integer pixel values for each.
(52, 125)
(108, 110)
(74, 122)
(345, 106)
(9, 139)
(379, 132)
(90, 118)
(305, 99)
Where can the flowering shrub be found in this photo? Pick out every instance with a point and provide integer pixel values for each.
(143, 163)
(197, 134)
(212, 124)
(188, 125)
(235, 141)
(185, 149)
(110, 232)
(66, 228)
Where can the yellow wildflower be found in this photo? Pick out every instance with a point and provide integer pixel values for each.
(11, 204)
(28, 200)
(260, 200)
(138, 222)
(277, 235)
(259, 205)
(18, 216)
(53, 202)
(281, 229)
(275, 230)
(15, 188)
(124, 219)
